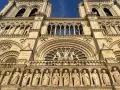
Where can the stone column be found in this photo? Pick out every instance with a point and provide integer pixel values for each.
(55, 30)
(113, 29)
(51, 72)
(21, 76)
(90, 73)
(61, 78)
(71, 82)
(2, 73)
(80, 74)
(99, 71)
(13, 12)
(31, 77)
(41, 77)
(111, 76)
(7, 7)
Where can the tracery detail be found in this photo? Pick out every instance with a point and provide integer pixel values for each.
(65, 53)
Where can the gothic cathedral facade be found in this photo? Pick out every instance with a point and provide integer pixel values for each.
(38, 52)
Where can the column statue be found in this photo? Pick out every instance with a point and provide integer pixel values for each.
(76, 79)
(26, 78)
(55, 78)
(15, 78)
(105, 77)
(116, 75)
(36, 78)
(6, 79)
(66, 78)
(46, 78)
(86, 78)
(95, 78)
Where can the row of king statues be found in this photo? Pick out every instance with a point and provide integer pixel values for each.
(60, 78)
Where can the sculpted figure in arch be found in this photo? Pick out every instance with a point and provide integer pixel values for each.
(15, 78)
(71, 55)
(59, 55)
(116, 75)
(66, 55)
(55, 78)
(46, 78)
(1, 76)
(6, 79)
(26, 78)
(36, 78)
(85, 77)
(105, 77)
(66, 78)
(95, 78)
(76, 80)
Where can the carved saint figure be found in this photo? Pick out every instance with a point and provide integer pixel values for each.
(36, 78)
(66, 55)
(46, 78)
(95, 78)
(105, 77)
(76, 80)
(58, 55)
(15, 77)
(6, 79)
(26, 78)
(116, 75)
(55, 78)
(71, 56)
(66, 78)
(85, 77)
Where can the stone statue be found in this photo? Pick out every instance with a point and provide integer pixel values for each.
(36, 78)
(1, 75)
(76, 80)
(66, 78)
(95, 78)
(15, 77)
(66, 55)
(58, 55)
(71, 56)
(55, 78)
(46, 78)
(116, 75)
(6, 79)
(86, 79)
(26, 78)
(105, 77)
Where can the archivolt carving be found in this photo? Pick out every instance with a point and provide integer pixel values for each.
(12, 42)
(86, 48)
(115, 43)
(7, 55)
(5, 46)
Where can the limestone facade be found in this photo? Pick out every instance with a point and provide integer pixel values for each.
(38, 52)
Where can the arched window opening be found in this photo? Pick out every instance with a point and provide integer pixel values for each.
(107, 12)
(58, 30)
(10, 60)
(81, 29)
(20, 13)
(67, 30)
(62, 30)
(76, 30)
(49, 28)
(71, 30)
(33, 12)
(94, 10)
(53, 30)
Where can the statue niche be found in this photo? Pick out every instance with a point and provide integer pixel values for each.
(65, 53)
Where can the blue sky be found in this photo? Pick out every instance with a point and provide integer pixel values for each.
(60, 8)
